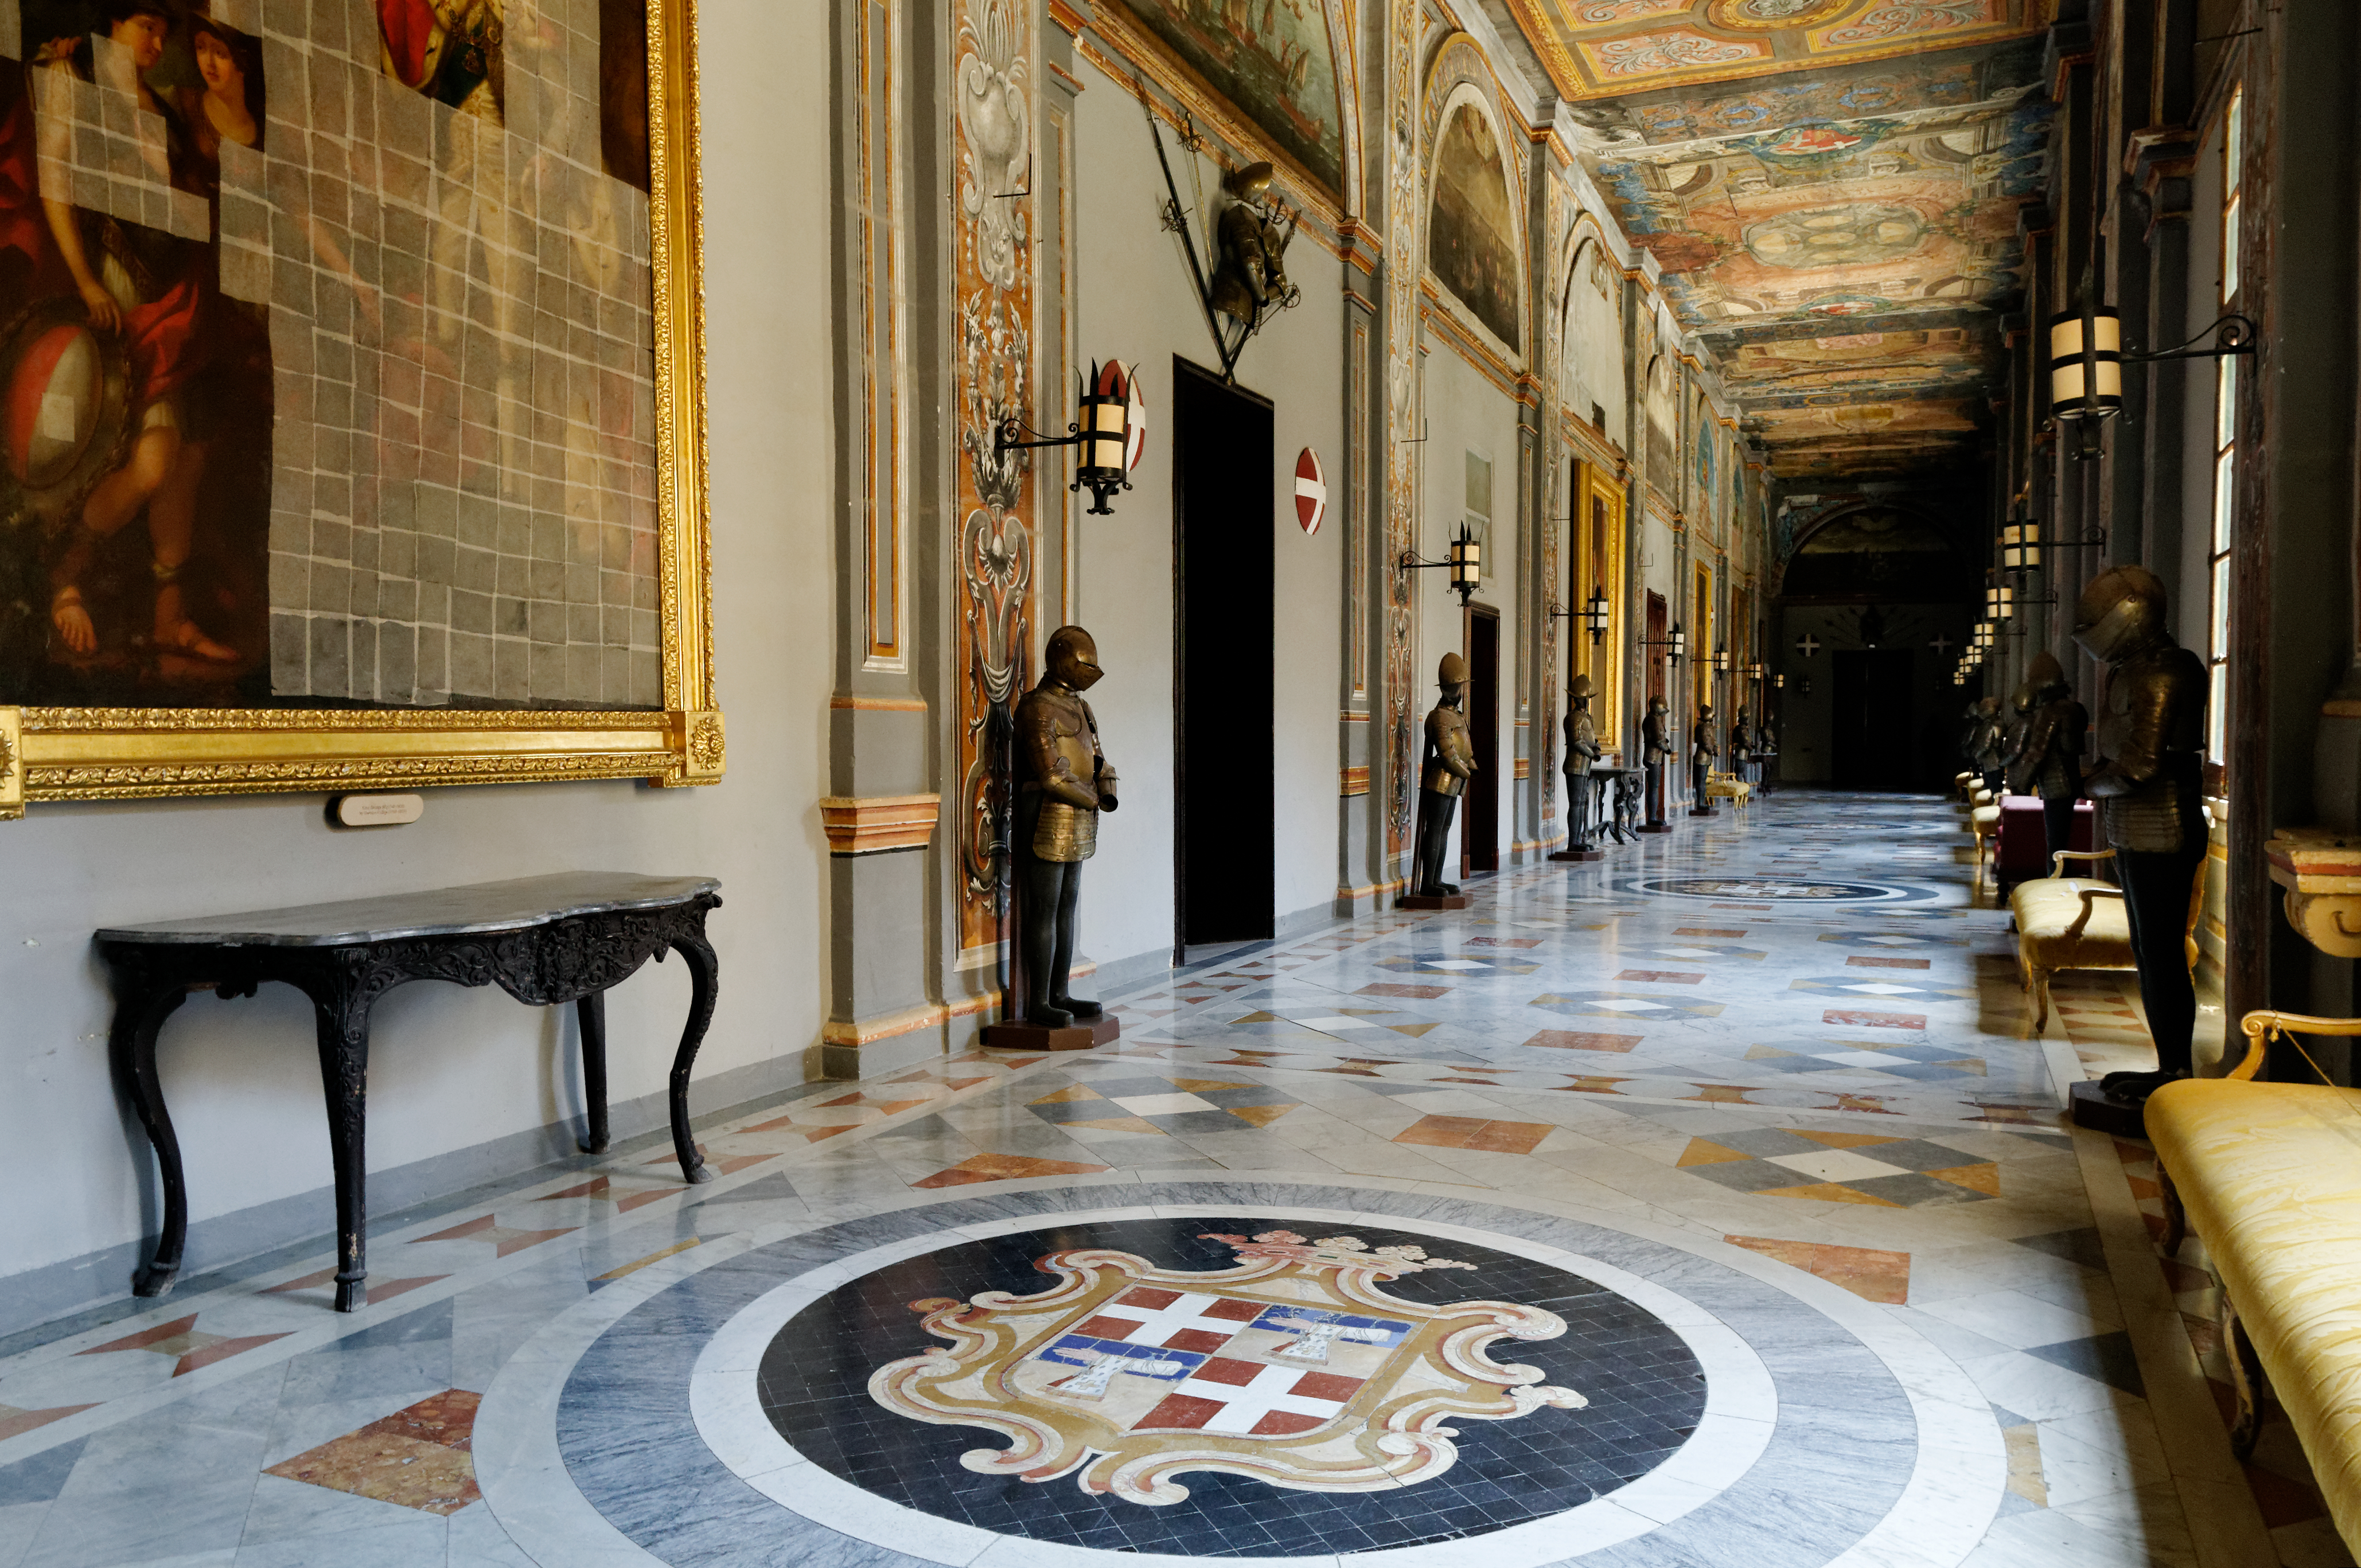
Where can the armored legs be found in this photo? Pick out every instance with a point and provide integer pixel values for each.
(1049, 892)
(1434, 813)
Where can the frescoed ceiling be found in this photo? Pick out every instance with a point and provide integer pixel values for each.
(1833, 189)
(1595, 48)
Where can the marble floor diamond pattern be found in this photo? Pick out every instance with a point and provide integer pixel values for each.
(1846, 1096)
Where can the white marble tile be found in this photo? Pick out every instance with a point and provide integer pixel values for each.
(2013, 1319)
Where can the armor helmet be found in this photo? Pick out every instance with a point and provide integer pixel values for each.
(2120, 613)
(1705, 712)
(1250, 183)
(1453, 672)
(1658, 705)
(1073, 658)
(2046, 676)
(1988, 706)
(2023, 698)
(1582, 689)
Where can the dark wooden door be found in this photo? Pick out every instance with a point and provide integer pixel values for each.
(1874, 721)
(1658, 622)
(1222, 564)
(1479, 808)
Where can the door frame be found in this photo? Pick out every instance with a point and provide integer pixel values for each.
(1486, 767)
(1183, 368)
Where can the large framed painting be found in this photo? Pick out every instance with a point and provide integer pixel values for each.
(351, 397)
(1598, 569)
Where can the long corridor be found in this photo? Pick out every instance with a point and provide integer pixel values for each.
(1747, 1127)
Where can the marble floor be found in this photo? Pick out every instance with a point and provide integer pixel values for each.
(1706, 1205)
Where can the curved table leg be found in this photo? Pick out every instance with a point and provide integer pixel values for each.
(704, 979)
(140, 1009)
(591, 1012)
(340, 1015)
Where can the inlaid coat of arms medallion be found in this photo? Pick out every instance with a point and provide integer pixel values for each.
(1294, 1366)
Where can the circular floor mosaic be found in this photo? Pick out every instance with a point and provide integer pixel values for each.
(1255, 1372)
(1756, 890)
(1310, 1391)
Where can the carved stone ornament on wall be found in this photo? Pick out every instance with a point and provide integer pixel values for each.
(437, 542)
(993, 288)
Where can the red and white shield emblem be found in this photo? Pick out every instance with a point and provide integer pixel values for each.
(1310, 490)
(1119, 379)
(1123, 1374)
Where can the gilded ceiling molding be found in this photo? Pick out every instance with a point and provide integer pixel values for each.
(1456, 336)
(1708, 41)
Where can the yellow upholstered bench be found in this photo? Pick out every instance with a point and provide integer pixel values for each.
(1983, 820)
(2074, 923)
(2067, 923)
(1728, 787)
(2269, 1176)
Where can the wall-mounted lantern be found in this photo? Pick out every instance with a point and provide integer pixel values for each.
(1101, 436)
(2020, 547)
(1465, 563)
(1999, 603)
(1676, 646)
(1594, 615)
(2087, 360)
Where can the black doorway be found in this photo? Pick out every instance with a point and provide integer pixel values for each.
(1874, 721)
(1223, 562)
(1479, 815)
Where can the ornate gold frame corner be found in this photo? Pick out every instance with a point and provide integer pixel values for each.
(119, 754)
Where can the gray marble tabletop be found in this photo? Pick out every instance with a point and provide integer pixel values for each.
(438, 912)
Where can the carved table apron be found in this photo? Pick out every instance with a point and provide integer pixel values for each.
(544, 940)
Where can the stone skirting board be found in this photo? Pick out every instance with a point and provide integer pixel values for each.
(305, 1220)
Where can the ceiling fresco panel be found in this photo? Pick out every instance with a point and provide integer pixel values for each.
(1595, 48)
(1838, 237)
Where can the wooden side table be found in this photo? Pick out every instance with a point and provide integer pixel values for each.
(544, 940)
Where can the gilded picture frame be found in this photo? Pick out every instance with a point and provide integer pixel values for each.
(63, 752)
(1600, 568)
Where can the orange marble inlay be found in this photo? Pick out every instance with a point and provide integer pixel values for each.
(1868, 1272)
(1475, 1133)
(415, 1458)
(1004, 1167)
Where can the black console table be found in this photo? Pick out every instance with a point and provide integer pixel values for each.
(544, 940)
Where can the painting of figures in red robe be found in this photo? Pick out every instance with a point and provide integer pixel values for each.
(136, 395)
(336, 391)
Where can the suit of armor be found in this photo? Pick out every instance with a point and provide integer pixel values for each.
(1702, 752)
(1448, 764)
(1655, 747)
(2047, 759)
(1991, 748)
(2152, 735)
(1064, 783)
(1581, 750)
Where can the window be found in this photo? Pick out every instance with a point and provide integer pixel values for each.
(2225, 448)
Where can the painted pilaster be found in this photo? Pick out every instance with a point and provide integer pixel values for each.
(880, 800)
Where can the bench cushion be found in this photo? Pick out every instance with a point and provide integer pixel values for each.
(2047, 908)
(2270, 1176)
